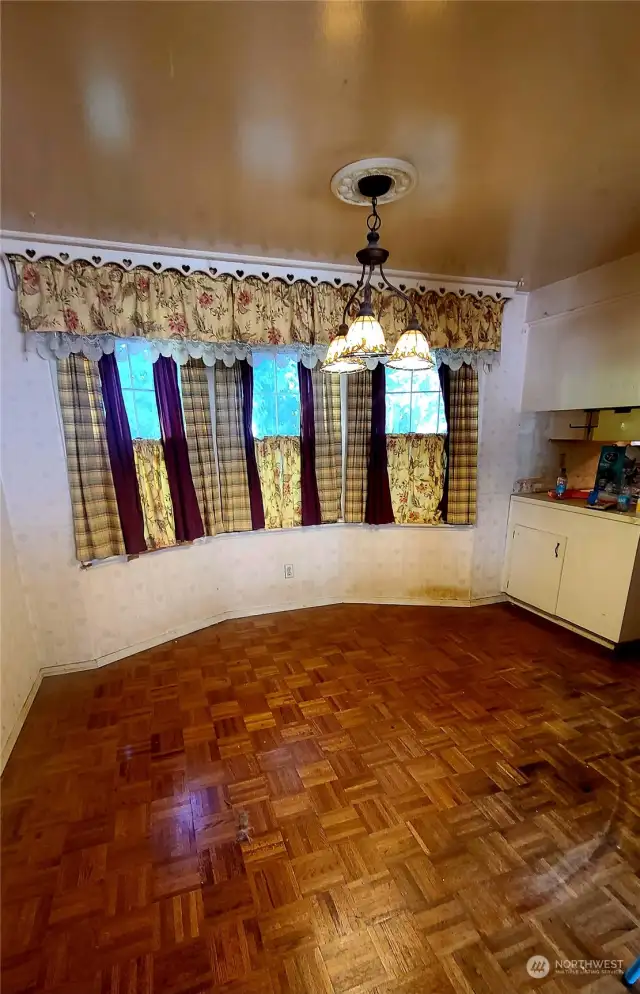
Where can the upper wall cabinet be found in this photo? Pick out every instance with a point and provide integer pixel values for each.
(621, 425)
(584, 341)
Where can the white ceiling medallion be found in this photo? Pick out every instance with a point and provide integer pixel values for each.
(345, 183)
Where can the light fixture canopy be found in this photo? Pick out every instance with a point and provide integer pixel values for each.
(365, 337)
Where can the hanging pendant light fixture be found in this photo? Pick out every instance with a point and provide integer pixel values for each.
(364, 339)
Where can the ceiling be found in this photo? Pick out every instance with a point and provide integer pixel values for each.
(218, 126)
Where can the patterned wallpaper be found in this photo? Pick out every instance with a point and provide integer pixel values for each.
(500, 402)
(82, 615)
(18, 651)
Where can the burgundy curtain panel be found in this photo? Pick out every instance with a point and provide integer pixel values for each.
(443, 374)
(123, 467)
(253, 478)
(188, 520)
(310, 498)
(378, 510)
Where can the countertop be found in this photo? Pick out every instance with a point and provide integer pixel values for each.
(580, 507)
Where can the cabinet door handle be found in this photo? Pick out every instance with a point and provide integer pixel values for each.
(557, 547)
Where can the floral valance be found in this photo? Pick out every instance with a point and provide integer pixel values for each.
(78, 298)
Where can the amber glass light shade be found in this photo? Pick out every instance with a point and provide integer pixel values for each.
(336, 362)
(412, 350)
(365, 338)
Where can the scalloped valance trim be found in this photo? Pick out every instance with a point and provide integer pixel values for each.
(159, 259)
(59, 345)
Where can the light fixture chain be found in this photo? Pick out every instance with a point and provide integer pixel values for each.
(373, 220)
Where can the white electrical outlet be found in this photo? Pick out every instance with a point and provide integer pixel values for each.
(288, 572)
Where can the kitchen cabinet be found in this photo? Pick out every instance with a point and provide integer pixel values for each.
(617, 425)
(575, 565)
(535, 567)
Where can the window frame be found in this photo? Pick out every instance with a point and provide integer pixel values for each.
(272, 357)
(411, 393)
(133, 390)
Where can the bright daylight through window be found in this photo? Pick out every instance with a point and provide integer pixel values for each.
(414, 402)
(136, 379)
(276, 395)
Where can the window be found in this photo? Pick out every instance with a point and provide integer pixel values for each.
(276, 395)
(414, 402)
(136, 379)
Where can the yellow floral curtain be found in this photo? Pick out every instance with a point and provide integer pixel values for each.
(83, 299)
(416, 465)
(278, 458)
(155, 497)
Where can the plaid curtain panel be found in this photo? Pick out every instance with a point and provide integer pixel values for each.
(358, 444)
(197, 422)
(232, 460)
(328, 428)
(463, 446)
(96, 521)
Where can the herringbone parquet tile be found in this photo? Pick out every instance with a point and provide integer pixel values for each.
(334, 801)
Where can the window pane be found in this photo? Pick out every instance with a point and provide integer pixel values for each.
(122, 360)
(398, 418)
(287, 374)
(147, 411)
(288, 397)
(276, 397)
(443, 428)
(141, 370)
(264, 375)
(131, 411)
(425, 379)
(264, 402)
(397, 380)
(264, 415)
(288, 414)
(424, 413)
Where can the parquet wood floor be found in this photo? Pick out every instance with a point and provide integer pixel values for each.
(432, 796)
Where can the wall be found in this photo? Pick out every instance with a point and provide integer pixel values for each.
(18, 651)
(500, 402)
(584, 340)
(105, 611)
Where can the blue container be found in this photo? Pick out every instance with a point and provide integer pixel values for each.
(623, 501)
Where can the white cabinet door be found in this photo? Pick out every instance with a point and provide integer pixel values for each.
(597, 573)
(535, 567)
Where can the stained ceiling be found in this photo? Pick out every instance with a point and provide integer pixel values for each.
(218, 126)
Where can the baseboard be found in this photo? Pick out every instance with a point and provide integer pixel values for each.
(494, 599)
(19, 722)
(426, 601)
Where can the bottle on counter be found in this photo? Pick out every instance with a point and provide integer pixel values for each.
(623, 502)
(561, 482)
